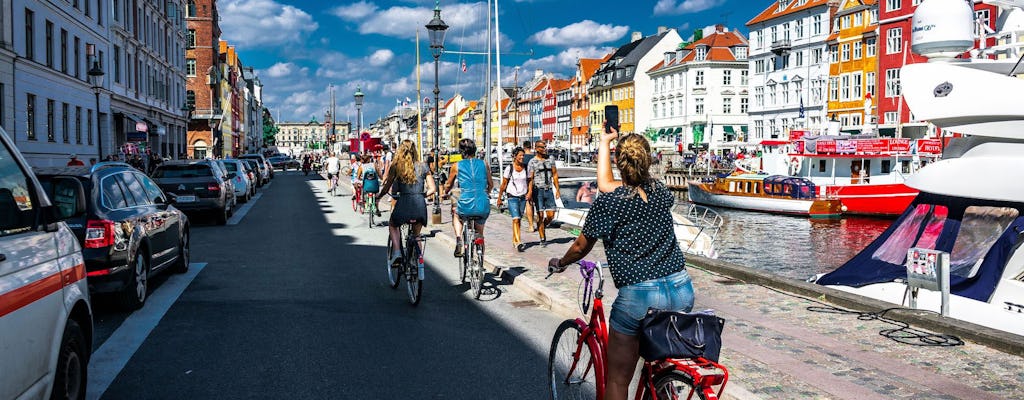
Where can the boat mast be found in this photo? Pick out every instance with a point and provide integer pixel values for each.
(497, 54)
(419, 97)
(487, 107)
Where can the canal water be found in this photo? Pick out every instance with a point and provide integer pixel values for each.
(791, 246)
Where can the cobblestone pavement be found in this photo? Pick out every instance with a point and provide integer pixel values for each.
(774, 346)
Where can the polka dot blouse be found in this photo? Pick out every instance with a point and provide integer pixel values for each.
(638, 236)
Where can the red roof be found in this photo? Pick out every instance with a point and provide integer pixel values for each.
(773, 10)
(588, 66)
(558, 85)
(719, 45)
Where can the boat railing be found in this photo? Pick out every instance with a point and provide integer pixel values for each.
(701, 220)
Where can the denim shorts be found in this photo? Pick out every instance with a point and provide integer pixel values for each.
(672, 292)
(516, 206)
(544, 199)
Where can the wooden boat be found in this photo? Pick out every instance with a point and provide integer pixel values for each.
(775, 194)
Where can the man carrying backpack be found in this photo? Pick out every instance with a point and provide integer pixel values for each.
(542, 188)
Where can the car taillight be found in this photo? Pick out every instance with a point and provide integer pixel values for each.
(99, 234)
(213, 187)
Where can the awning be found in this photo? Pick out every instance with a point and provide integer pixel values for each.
(743, 128)
(774, 142)
(155, 128)
(728, 129)
(137, 121)
(662, 131)
(679, 130)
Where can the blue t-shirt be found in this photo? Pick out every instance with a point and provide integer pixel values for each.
(370, 178)
(473, 196)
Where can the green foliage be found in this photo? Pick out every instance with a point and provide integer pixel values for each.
(269, 128)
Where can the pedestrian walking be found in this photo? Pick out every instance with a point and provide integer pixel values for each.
(634, 220)
(527, 157)
(514, 181)
(543, 185)
(75, 162)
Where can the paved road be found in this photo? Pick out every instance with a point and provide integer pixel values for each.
(292, 302)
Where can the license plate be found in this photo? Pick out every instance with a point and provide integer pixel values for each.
(186, 199)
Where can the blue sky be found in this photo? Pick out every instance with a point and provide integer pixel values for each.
(300, 47)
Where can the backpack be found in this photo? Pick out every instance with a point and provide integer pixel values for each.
(370, 174)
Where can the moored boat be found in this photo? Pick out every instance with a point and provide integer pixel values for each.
(775, 194)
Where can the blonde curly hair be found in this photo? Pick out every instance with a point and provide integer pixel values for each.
(404, 165)
(634, 160)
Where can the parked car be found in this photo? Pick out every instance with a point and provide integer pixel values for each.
(197, 188)
(46, 320)
(244, 188)
(255, 170)
(130, 230)
(265, 167)
(222, 171)
(284, 162)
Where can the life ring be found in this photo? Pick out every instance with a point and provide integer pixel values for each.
(794, 166)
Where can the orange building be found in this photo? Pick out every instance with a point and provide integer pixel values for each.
(853, 68)
(580, 132)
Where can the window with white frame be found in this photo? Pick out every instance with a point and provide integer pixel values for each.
(702, 53)
(858, 18)
(845, 22)
(798, 28)
(891, 117)
(759, 66)
(891, 5)
(816, 25)
(833, 89)
(982, 18)
(799, 56)
(785, 31)
(833, 51)
(190, 67)
(727, 77)
(817, 55)
(698, 79)
(869, 46)
(873, 15)
(855, 119)
(894, 40)
(740, 53)
(775, 34)
(916, 2)
(844, 120)
(655, 110)
(785, 93)
(858, 86)
(844, 87)
(727, 105)
(759, 129)
(892, 82)
(760, 39)
(672, 108)
(870, 83)
(744, 78)
(771, 95)
(857, 46)
(759, 96)
(698, 104)
(744, 105)
(846, 52)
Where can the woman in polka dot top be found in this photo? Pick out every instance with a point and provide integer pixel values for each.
(634, 221)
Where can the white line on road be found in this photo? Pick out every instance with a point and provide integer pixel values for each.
(108, 361)
(240, 213)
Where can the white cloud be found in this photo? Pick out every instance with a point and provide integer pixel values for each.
(580, 33)
(354, 11)
(565, 61)
(381, 57)
(279, 70)
(675, 7)
(402, 22)
(254, 23)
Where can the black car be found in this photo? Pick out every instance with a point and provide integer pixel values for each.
(199, 187)
(131, 230)
(263, 165)
(284, 163)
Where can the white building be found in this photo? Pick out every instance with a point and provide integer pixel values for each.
(700, 95)
(789, 68)
(645, 59)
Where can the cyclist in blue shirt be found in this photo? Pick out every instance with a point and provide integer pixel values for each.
(475, 185)
(370, 177)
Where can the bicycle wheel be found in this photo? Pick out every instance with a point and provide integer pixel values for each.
(673, 385)
(371, 209)
(569, 376)
(413, 283)
(464, 262)
(394, 270)
(476, 277)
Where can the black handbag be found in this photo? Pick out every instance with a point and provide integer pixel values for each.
(673, 334)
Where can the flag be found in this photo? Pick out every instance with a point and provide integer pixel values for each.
(801, 107)
(463, 65)
(406, 102)
(426, 100)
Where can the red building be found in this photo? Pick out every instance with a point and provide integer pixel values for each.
(894, 32)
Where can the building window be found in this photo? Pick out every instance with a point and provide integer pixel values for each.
(870, 81)
(857, 50)
(727, 77)
(785, 93)
(698, 105)
(833, 51)
(116, 10)
(702, 53)
(759, 66)
(2, 96)
(78, 125)
(982, 18)
(799, 55)
(816, 56)
(30, 35)
(190, 67)
(190, 39)
(190, 9)
(833, 89)
(50, 134)
(744, 77)
(845, 22)
(771, 95)
(759, 96)
(727, 105)
(891, 117)
(894, 40)
(869, 47)
(88, 124)
(844, 87)
(88, 8)
(744, 105)
(892, 83)
(117, 64)
(892, 5)
(858, 86)
(816, 25)
(799, 28)
(65, 135)
(699, 79)
(30, 116)
(846, 52)
(740, 53)
(78, 55)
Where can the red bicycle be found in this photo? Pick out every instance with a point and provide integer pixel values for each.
(576, 363)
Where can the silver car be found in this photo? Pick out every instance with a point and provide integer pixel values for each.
(244, 188)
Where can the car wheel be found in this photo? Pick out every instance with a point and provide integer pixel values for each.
(135, 292)
(70, 379)
(184, 254)
(222, 216)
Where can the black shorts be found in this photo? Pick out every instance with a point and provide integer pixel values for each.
(331, 176)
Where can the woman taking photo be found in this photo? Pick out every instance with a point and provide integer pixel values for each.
(409, 177)
(513, 185)
(633, 218)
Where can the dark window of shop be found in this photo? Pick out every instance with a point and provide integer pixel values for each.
(117, 64)
(64, 123)
(49, 44)
(821, 165)
(78, 125)
(88, 124)
(63, 51)
(886, 166)
(30, 35)
(78, 55)
(30, 116)
(50, 135)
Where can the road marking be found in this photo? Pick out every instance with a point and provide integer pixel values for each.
(240, 213)
(108, 361)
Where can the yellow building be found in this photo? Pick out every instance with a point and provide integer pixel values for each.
(853, 76)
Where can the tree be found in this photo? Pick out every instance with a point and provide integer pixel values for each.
(270, 128)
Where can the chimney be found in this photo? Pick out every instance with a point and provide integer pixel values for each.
(720, 28)
(662, 29)
(637, 36)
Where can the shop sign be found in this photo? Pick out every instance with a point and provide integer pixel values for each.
(826, 146)
(929, 146)
(846, 146)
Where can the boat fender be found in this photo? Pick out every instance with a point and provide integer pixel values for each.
(794, 166)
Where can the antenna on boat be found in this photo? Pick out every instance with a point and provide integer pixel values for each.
(943, 29)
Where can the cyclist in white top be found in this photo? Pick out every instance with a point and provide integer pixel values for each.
(333, 168)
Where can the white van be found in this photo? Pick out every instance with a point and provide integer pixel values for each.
(45, 316)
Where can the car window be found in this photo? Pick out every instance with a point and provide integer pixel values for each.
(134, 189)
(232, 167)
(152, 190)
(113, 195)
(17, 210)
(182, 171)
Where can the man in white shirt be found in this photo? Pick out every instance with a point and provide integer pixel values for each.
(333, 169)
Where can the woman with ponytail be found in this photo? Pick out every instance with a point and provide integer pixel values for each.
(633, 218)
(413, 184)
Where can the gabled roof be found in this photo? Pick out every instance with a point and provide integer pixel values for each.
(627, 56)
(558, 85)
(773, 10)
(719, 45)
(588, 66)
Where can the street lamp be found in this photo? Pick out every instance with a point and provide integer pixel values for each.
(187, 109)
(96, 80)
(359, 116)
(436, 28)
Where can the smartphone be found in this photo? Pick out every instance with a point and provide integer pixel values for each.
(611, 118)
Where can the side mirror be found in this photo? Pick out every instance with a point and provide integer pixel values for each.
(68, 198)
(171, 198)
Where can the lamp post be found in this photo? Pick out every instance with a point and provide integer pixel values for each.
(95, 74)
(187, 109)
(436, 28)
(359, 117)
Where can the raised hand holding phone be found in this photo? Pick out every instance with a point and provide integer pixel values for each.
(606, 182)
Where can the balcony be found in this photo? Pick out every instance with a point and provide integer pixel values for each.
(780, 47)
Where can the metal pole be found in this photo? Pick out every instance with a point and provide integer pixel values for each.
(436, 218)
(99, 134)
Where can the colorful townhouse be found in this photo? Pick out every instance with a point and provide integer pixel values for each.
(700, 94)
(894, 31)
(563, 112)
(853, 66)
(622, 79)
(789, 68)
(580, 109)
